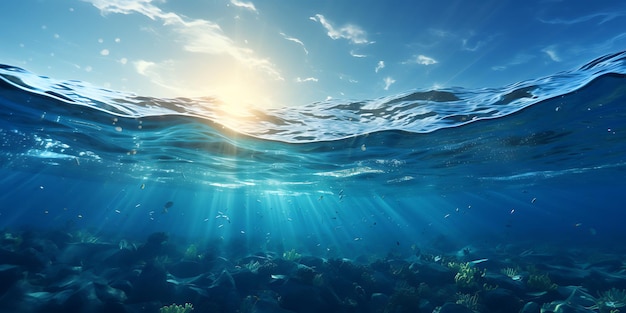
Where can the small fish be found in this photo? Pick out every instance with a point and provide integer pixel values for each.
(478, 261)
(167, 205)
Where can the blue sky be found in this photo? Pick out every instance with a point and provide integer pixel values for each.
(283, 53)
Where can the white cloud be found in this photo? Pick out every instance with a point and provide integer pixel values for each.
(350, 32)
(424, 60)
(518, 59)
(388, 82)
(605, 17)
(246, 5)
(356, 55)
(308, 79)
(379, 66)
(143, 66)
(200, 36)
(551, 52)
(296, 40)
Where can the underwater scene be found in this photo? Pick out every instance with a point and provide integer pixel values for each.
(442, 199)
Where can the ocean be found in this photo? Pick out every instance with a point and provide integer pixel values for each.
(507, 199)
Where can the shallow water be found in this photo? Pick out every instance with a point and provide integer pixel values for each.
(532, 166)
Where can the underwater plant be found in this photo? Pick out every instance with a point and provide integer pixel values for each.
(610, 301)
(540, 282)
(467, 300)
(404, 299)
(174, 308)
(191, 253)
(467, 276)
(512, 273)
(291, 255)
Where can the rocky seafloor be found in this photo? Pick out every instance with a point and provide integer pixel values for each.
(55, 271)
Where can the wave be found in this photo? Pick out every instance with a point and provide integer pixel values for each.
(549, 128)
(418, 111)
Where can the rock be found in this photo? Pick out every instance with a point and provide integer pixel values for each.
(531, 307)
(378, 302)
(454, 308)
(501, 300)
(107, 293)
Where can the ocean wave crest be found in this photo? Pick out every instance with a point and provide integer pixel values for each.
(417, 111)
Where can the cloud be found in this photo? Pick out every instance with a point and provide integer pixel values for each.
(388, 82)
(551, 52)
(143, 66)
(518, 59)
(356, 55)
(350, 32)
(296, 40)
(605, 17)
(308, 79)
(421, 59)
(379, 66)
(245, 5)
(199, 36)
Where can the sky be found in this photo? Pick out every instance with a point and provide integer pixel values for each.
(288, 53)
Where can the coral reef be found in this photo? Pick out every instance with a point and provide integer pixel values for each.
(174, 308)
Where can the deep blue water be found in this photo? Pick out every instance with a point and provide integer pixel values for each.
(535, 165)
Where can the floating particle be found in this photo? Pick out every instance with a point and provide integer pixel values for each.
(118, 128)
(447, 215)
(341, 192)
(41, 187)
(138, 205)
(80, 216)
(358, 238)
(320, 198)
(45, 212)
(143, 186)
(168, 204)
(363, 148)
(533, 200)
(118, 211)
(578, 224)
(243, 232)
(512, 211)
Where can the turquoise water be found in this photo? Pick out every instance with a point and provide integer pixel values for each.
(460, 174)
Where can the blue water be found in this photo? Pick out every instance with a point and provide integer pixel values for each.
(541, 162)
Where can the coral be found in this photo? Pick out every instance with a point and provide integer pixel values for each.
(610, 301)
(191, 253)
(467, 276)
(253, 266)
(512, 273)
(404, 299)
(174, 308)
(540, 282)
(291, 255)
(467, 300)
